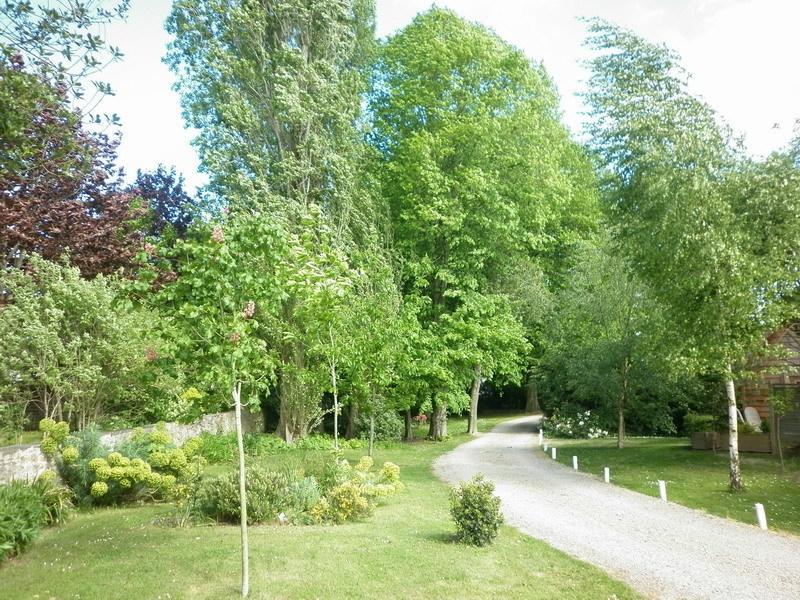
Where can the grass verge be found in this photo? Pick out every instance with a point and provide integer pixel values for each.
(406, 550)
(695, 478)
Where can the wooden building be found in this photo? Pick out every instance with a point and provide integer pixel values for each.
(784, 376)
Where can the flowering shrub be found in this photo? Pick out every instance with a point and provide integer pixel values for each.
(340, 493)
(389, 473)
(353, 491)
(147, 466)
(347, 502)
(581, 424)
(54, 435)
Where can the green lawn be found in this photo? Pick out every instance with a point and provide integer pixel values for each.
(695, 478)
(406, 550)
(25, 437)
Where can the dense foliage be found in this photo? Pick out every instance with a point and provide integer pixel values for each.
(477, 173)
(27, 507)
(476, 511)
(147, 466)
(389, 226)
(331, 491)
(60, 191)
(713, 232)
(73, 349)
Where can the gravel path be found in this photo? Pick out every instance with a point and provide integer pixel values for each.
(661, 550)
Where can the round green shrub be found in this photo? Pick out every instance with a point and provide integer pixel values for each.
(267, 494)
(389, 427)
(476, 511)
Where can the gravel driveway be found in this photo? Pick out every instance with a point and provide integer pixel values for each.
(661, 550)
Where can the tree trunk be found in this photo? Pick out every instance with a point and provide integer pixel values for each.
(334, 388)
(736, 484)
(532, 396)
(439, 421)
(475, 393)
(408, 435)
(237, 399)
(371, 433)
(621, 405)
(335, 407)
(285, 430)
(352, 416)
(294, 420)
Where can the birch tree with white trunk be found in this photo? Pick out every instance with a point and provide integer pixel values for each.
(712, 231)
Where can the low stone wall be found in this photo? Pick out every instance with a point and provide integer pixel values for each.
(23, 462)
(28, 461)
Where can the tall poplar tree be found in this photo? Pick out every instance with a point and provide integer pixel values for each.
(274, 89)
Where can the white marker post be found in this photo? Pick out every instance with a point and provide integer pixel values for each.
(662, 489)
(575, 462)
(545, 447)
(606, 474)
(553, 450)
(541, 437)
(762, 516)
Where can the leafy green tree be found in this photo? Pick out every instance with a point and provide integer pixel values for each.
(223, 300)
(489, 341)
(75, 350)
(318, 280)
(609, 342)
(63, 44)
(376, 342)
(274, 90)
(223, 303)
(713, 233)
(529, 291)
(475, 167)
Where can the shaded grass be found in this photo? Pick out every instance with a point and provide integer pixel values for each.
(695, 478)
(406, 550)
(23, 437)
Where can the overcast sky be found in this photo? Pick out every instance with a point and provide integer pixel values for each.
(742, 54)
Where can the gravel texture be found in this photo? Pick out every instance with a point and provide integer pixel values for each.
(662, 550)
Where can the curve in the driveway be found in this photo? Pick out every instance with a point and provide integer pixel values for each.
(661, 549)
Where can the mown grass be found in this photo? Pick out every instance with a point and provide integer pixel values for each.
(406, 550)
(695, 478)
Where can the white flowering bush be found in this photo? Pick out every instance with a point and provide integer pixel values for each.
(574, 424)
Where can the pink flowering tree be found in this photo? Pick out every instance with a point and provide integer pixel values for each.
(223, 300)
